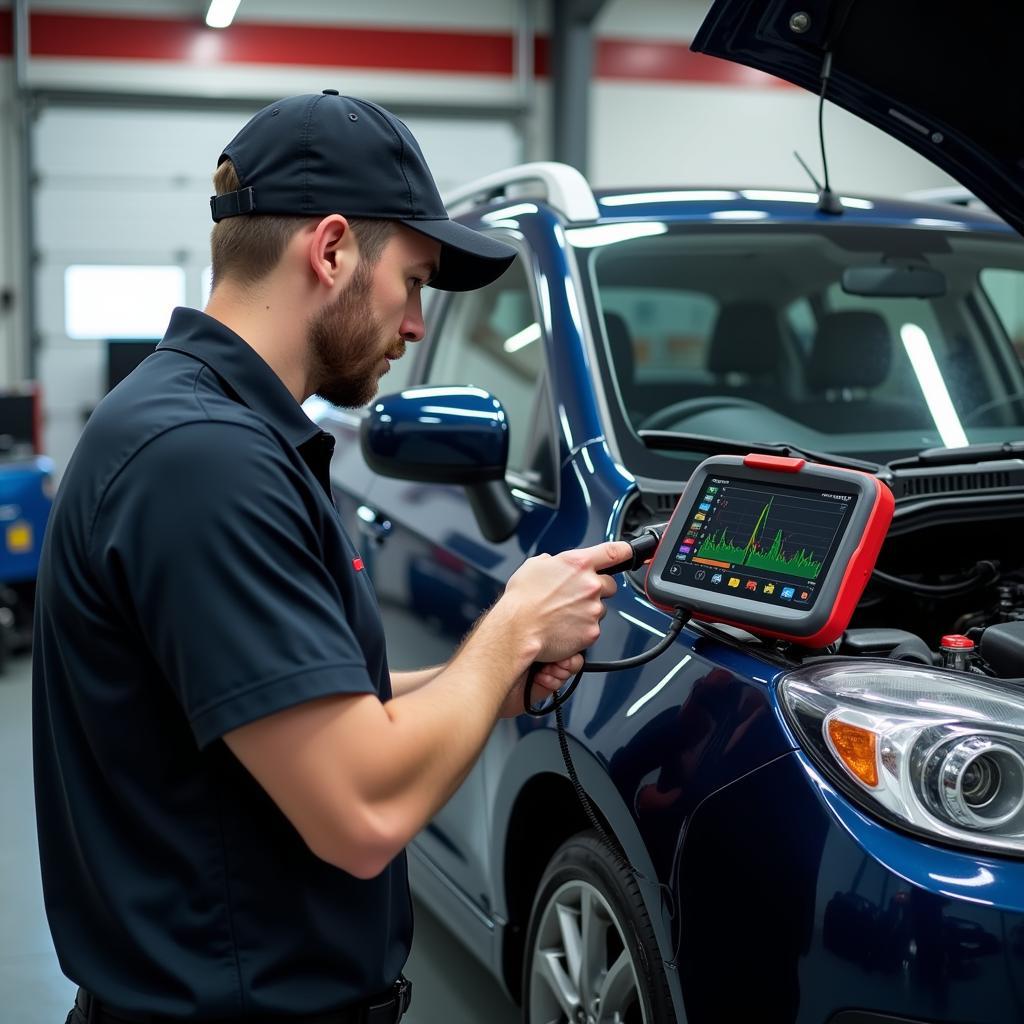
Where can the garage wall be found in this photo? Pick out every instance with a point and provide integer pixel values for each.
(141, 200)
(12, 276)
(118, 185)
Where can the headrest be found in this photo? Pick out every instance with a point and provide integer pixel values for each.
(852, 349)
(621, 344)
(746, 339)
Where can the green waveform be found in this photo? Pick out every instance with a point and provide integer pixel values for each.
(719, 548)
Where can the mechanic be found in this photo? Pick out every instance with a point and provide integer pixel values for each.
(226, 771)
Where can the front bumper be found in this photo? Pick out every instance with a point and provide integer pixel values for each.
(796, 908)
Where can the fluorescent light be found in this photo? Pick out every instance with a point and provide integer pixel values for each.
(768, 195)
(510, 211)
(522, 338)
(936, 222)
(652, 693)
(607, 234)
(221, 13)
(739, 215)
(689, 196)
(933, 387)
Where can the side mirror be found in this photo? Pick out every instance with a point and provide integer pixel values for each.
(446, 435)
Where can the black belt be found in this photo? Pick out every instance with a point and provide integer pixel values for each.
(386, 1008)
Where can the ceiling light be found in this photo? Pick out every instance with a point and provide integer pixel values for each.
(221, 13)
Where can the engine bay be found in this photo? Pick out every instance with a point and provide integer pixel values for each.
(952, 564)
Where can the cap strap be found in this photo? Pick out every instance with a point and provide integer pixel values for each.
(233, 204)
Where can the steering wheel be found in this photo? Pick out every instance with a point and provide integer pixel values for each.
(975, 414)
(677, 411)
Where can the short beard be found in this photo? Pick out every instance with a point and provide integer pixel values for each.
(345, 342)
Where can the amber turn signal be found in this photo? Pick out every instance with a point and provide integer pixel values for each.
(856, 748)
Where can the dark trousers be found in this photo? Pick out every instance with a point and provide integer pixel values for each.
(386, 1008)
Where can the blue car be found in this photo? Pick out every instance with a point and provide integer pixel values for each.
(735, 863)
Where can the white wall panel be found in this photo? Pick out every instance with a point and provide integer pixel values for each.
(243, 81)
(727, 135)
(675, 20)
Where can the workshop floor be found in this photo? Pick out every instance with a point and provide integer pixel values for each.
(448, 985)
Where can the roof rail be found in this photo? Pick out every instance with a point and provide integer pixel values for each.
(560, 185)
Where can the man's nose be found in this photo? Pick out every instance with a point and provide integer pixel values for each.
(412, 328)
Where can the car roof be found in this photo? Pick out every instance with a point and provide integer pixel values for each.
(753, 204)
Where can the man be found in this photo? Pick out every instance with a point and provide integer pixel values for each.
(226, 772)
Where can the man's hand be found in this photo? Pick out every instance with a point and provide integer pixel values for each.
(557, 601)
(548, 679)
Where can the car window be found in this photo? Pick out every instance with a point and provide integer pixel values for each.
(491, 338)
(1005, 291)
(669, 330)
(759, 333)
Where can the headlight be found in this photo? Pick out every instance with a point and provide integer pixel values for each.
(933, 751)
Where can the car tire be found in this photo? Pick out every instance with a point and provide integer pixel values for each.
(591, 954)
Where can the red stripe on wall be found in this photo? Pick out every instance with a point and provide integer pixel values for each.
(6, 33)
(423, 50)
(62, 35)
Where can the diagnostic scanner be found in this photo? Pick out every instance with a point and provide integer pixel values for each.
(777, 546)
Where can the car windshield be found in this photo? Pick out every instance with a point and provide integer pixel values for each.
(874, 342)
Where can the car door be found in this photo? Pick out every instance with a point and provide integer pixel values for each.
(433, 570)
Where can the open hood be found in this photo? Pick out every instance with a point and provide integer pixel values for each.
(938, 75)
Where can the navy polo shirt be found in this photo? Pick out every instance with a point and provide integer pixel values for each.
(195, 577)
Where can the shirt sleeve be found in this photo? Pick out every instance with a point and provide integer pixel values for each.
(207, 542)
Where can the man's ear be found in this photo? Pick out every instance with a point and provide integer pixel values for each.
(333, 251)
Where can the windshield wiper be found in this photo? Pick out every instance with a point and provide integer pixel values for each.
(961, 456)
(671, 440)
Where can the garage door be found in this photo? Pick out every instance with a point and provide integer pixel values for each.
(122, 231)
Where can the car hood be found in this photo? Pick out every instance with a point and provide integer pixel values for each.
(938, 75)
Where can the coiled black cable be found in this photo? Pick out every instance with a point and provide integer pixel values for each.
(644, 544)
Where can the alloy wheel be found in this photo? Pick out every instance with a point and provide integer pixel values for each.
(582, 970)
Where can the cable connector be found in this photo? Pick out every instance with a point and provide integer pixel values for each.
(644, 544)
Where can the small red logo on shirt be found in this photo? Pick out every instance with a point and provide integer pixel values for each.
(357, 564)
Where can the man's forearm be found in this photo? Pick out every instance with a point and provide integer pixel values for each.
(439, 730)
(403, 683)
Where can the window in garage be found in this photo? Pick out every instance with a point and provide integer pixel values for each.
(492, 339)
(120, 301)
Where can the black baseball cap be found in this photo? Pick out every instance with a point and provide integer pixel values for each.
(321, 154)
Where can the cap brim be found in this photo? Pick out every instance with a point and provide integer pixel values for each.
(469, 259)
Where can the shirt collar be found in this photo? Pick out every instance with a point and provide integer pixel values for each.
(237, 363)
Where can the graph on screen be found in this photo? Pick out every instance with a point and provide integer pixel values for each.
(786, 534)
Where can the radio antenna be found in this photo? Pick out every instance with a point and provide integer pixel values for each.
(828, 201)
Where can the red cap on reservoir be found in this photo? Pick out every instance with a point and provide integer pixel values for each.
(956, 642)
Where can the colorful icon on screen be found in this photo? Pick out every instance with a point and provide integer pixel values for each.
(787, 593)
(705, 507)
(717, 578)
(733, 582)
(700, 517)
(804, 595)
(712, 490)
(751, 585)
(769, 588)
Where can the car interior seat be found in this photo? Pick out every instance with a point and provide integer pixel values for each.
(746, 353)
(851, 357)
(620, 343)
